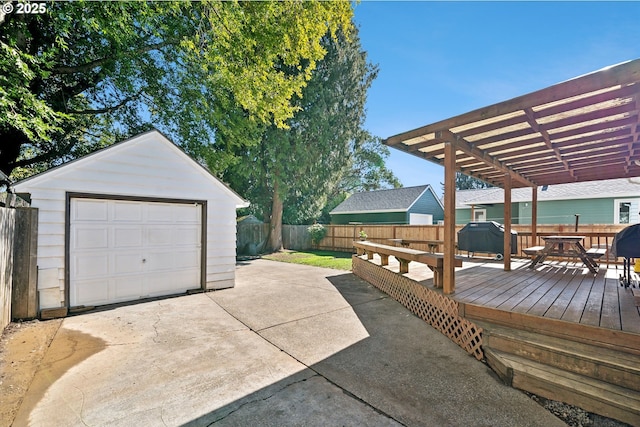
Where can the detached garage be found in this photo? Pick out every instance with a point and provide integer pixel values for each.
(135, 220)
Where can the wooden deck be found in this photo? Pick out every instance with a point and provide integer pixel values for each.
(554, 290)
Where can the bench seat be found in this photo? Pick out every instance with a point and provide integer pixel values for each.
(534, 250)
(405, 255)
(596, 252)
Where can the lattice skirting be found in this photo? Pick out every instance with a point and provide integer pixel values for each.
(436, 309)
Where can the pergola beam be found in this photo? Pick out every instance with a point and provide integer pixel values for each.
(467, 148)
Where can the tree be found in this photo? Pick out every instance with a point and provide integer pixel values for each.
(290, 174)
(83, 73)
(466, 182)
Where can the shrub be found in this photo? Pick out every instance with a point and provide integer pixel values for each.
(317, 232)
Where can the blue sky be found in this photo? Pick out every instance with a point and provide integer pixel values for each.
(441, 59)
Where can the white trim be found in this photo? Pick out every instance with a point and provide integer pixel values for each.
(475, 211)
(634, 214)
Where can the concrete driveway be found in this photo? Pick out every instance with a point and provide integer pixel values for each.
(289, 345)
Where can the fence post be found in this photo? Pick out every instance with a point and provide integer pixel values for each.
(7, 227)
(24, 300)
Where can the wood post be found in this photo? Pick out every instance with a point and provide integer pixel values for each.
(507, 222)
(448, 285)
(534, 216)
(24, 304)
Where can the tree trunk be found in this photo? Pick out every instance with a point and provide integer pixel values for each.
(275, 225)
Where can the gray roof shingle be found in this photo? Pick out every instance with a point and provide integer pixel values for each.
(392, 200)
(622, 187)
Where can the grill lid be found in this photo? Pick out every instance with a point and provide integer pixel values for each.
(627, 242)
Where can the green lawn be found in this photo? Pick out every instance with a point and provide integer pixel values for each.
(328, 259)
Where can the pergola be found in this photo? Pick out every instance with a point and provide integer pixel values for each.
(584, 129)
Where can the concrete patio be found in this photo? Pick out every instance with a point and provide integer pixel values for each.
(289, 345)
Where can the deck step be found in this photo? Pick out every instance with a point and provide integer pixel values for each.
(590, 394)
(604, 364)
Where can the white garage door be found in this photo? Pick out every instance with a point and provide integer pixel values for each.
(126, 250)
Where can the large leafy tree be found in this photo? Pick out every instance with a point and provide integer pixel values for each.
(291, 173)
(85, 74)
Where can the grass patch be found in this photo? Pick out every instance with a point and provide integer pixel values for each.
(327, 259)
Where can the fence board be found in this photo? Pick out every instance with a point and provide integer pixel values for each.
(7, 226)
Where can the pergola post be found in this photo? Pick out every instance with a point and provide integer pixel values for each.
(448, 285)
(534, 216)
(507, 222)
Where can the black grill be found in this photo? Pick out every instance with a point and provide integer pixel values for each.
(485, 237)
(626, 244)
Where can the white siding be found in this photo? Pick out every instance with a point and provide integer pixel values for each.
(146, 166)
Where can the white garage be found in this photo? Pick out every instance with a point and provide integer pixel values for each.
(138, 219)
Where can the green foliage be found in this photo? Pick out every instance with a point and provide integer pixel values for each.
(317, 233)
(84, 73)
(466, 182)
(324, 150)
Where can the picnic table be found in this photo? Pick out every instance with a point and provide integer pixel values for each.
(563, 247)
(432, 244)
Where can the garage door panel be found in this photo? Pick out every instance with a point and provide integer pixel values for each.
(86, 237)
(90, 292)
(158, 236)
(187, 259)
(88, 266)
(89, 210)
(131, 250)
(127, 263)
(167, 283)
(127, 211)
(187, 214)
(128, 287)
(186, 236)
(159, 261)
(127, 237)
(160, 212)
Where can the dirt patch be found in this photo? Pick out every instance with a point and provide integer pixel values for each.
(22, 348)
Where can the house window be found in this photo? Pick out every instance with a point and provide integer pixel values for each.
(479, 215)
(626, 211)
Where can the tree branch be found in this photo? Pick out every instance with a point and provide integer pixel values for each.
(98, 62)
(108, 109)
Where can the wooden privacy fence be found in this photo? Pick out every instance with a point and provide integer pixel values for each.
(18, 268)
(341, 237)
(251, 237)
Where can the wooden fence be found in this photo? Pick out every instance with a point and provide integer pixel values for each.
(18, 268)
(7, 227)
(340, 237)
(251, 237)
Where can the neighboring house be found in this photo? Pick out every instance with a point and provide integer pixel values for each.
(408, 205)
(615, 201)
(137, 219)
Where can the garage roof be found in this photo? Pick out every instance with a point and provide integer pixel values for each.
(583, 129)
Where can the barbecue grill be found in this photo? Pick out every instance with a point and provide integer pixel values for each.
(485, 237)
(626, 244)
